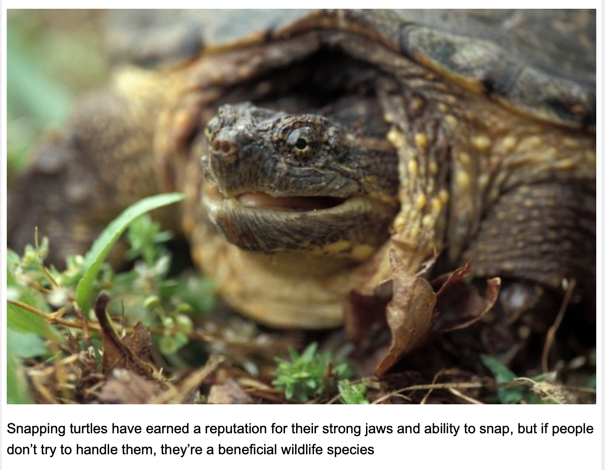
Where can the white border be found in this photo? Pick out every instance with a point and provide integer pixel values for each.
(430, 452)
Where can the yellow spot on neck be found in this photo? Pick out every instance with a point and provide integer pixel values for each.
(428, 220)
(436, 205)
(396, 138)
(444, 196)
(451, 120)
(413, 168)
(509, 143)
(462, 179)
(464, 158)
(481, 142)
(421, 140)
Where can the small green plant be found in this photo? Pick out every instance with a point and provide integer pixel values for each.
(307, 375)
(146, 240)
(539, 392)
(352, 394)
(40, 295)
(102, 245)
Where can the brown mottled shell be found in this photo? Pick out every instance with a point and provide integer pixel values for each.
(538, 62)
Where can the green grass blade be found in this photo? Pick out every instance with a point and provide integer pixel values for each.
(101, 247)
(500, 371)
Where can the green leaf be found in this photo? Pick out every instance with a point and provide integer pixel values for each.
(500, 371)
(19, 345)
(16, 385)
(146, 240)
(101, 247)
(25, 345)
(502, 374)
(304, 375)
(352, 394)
(24, 321)
(171, 344)
(511, 395)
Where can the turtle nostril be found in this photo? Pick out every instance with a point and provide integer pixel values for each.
(224, 150)
(222, 147)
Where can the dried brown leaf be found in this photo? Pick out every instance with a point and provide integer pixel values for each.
(418, 309)
(127, 387)
(130, 352)
(115, 356)
(409, 314)
(229, 393)
(460, 304)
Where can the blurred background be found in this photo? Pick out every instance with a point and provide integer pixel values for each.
(52, 56)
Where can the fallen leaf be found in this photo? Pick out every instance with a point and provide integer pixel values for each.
(418, 308)
(409, 314)
(229, 393)
(127, 387)
(130, 352)
(460, 304)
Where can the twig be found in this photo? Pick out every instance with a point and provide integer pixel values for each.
(36, 287)
(52, 317)
(429, 387)
(552, 331)
(334, 399)
(189, 385)
(465, 397)
(426, 396)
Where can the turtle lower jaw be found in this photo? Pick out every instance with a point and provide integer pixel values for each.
(342, 227)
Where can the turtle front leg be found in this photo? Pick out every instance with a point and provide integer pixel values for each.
(544, 233)
(541, 239)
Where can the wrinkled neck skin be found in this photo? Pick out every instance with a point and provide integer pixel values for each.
(457, 153)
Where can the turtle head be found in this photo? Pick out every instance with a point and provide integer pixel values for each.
(278, 182)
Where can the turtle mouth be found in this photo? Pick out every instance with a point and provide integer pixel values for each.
(264, 201)
(322, 225)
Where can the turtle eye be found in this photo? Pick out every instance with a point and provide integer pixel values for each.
(302, 141)
(211, 127)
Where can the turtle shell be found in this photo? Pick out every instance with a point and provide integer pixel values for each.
(541, 63)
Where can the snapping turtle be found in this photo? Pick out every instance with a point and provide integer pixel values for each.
(315, 146)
